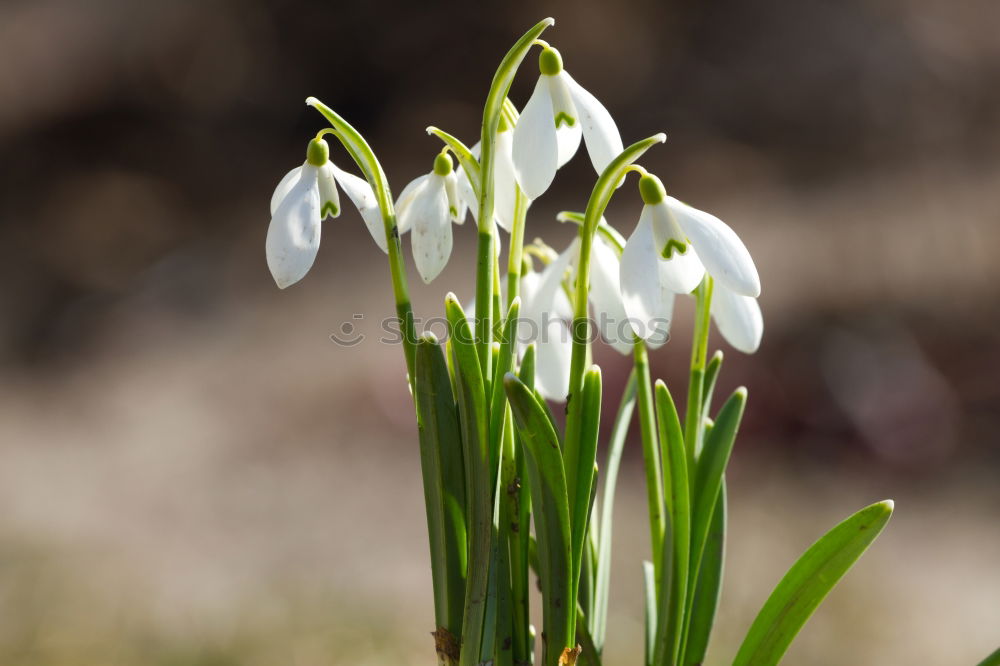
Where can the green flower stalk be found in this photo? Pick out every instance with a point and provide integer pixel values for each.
(365, 158)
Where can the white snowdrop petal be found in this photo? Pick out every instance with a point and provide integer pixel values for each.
(284, 186)
(722, 252)
(504, 180)
(640, 279)
(682, 272)
(554, 354)
(404, 219)
(546, 299)
(467, 194)
(535, 148)
(329, 197)
(604, 142)
(661, 333)
(431, 235)
(738, 319)
(293, 235)
(361, 195)
(606, 296)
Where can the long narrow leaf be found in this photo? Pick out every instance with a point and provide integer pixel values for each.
(444, 492)
(599, 618)
(649, 595)
(807, 583)
(992, 660)
(708, 586)
(552, 519)
(711, 466)
(471, 396)
(580, 472)
(673, 601)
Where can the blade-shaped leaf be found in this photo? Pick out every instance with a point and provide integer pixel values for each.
(708, 587)
(672, 601)
(711, 375)
(708, 476)
(649, 595)
(580, 470)
(444, 482)
(599, 618)
(992, 660)
(549, 500)
(807, 583)
(471, 394)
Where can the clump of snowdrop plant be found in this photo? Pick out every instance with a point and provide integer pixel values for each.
(510, 495)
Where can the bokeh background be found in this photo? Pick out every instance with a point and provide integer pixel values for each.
(192, 473)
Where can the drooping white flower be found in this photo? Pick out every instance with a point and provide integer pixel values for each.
(671, 249)
(427, 207)
(548, 132)
(547, 312)
(303, 198)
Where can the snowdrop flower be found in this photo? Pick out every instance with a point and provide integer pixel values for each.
(302, 200)
(427, 207)
(549, 129)
(671, 249)
(547, 310)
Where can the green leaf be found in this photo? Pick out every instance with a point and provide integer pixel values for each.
(599, 618)
(649, 594)
(520, 537)
(444, 482)
(591, 655)
(992, 660)
(709, 586)
(579, 462)
(807, 583)
(708, 476)
(505, 361)
(672, 601)
(547, 479)
(711, 375)
(471, 394)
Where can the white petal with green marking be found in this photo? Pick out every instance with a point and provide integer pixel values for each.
(329, 197)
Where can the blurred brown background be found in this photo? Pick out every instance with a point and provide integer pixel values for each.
(192, 473)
